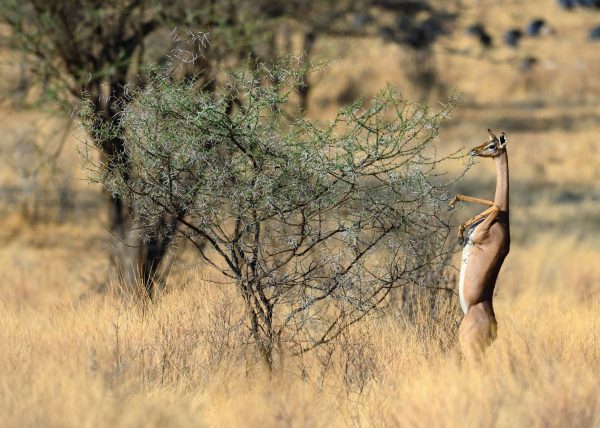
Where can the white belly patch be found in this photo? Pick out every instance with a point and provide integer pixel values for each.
(463, 267)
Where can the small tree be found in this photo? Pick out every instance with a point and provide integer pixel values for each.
(101, 47)
(313, 223)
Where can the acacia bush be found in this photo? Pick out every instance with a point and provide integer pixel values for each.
(314, 223)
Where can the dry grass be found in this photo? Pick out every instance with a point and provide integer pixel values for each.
(102, 361)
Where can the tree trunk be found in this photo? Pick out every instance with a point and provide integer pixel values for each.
(261, 323)
(138, 262)
(304, 88)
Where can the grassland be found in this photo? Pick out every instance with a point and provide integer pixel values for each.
(75, 353)
(103, 361)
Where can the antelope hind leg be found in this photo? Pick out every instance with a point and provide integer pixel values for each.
(478, 330)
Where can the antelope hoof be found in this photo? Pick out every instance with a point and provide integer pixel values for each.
(461, 236)
(452, 203)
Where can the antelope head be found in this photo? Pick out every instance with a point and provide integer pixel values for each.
(495, 147)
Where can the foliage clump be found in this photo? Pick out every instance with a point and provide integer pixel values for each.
(314, 223)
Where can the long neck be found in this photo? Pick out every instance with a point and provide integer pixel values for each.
(501, 197)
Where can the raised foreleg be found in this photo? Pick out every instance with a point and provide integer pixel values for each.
(491, 213)
(465, 198)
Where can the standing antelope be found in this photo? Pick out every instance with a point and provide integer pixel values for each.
(486, 246)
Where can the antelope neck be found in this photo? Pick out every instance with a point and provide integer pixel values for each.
(502, 185)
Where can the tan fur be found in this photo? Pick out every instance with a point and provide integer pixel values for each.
(489, 246)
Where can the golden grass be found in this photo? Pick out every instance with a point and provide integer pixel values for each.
(101, 360)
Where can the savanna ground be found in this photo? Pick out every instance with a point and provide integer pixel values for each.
(74, 353)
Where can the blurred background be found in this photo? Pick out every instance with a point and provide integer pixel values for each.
(528, 68)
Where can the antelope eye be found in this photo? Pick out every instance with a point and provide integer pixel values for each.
(492, 146)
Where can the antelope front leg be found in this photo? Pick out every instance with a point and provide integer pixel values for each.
(492, 212)
(465, 198)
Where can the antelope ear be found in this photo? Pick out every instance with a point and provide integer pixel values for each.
(503, 139)
(492, 136)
